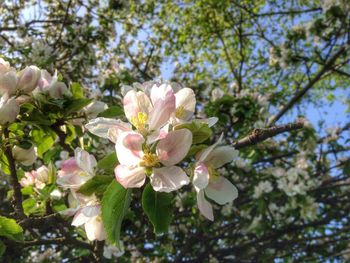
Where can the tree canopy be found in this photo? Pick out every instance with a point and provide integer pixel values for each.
(279, 185)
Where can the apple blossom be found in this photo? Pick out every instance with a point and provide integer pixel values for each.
(39, 178)
(50, 85)
(9, 109)
(76, 171)
(24, 156)
(8, 79)
(136, 162)
(28, 79)
(206, 180)
(94, 108)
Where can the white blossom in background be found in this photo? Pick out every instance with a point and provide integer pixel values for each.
(261, 188)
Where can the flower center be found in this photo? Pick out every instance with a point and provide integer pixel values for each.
(139, 121)
(149, 160)
(180, 112)
(213, 173)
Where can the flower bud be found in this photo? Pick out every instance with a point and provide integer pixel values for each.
(4, 66)
(24, 156)
(9, 109)
(8, 82)
(94, 108)
(49, 84)
(28, 79)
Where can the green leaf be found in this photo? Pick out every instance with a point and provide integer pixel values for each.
(158, 208)
(10, 229)
(115, 203)
(77, 90)
(96, 184)
(36, 117)
(196, 148)
(76, 105)
(43, 140)
(111, 112)
(108, 163)
(200, 131)
(2, 248)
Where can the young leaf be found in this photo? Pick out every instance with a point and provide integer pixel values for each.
(200, 131)
(10, 229)
(111, 112)
(96, 184)
(115, 203)
(2, 248)
(108, 163)
(158, 208)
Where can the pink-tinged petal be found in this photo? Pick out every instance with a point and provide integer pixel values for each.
(9, 109)
(201, 176)
(185, 103)
(94, 229)
(69, 166)
(8, 83)
(102, 127)
(204, 206)
(168, 179)
(69, 212)
(202, 156)
(80, 219)
(129, 148)
(158, 134)
(174, 147)
(163, 100)
(85, 161)
(221, 155)
(222, 191)
(130, 176)
(28, 179)
(28, 79)
(135, 102)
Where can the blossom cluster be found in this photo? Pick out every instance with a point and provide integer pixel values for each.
(153, 144)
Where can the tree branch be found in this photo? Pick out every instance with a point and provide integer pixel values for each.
(259, 135)
(311, 83)
(17, 194)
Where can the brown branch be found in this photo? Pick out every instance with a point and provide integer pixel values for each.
(259, 135)
(17, 194)
(62, 137)
(327, 66)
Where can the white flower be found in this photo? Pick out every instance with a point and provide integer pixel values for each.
(261, 188)
(216, 94)
(9, 109)
(94, 108)
(110, 251)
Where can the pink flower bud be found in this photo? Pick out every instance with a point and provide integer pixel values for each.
(28, 79)
(9, 109)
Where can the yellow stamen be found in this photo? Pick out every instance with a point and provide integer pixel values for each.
(149, 160)
(213, 173)
(140, 121)
(180, 112)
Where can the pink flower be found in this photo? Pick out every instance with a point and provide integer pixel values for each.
(136, 162)
(149, 114)
(207, 181)
(50, 84)
(28, 79)
(39, 178)
(76, 171)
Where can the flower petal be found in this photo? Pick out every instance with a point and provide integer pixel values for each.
(130, 176)
(103, 126)
(80, 218)
(204, 206)
(202, 156)
(201, 176)
(8, 82)
(163, 100)
(167, 179)
(129, 148)
(85, 161)
(174, 147)
(135, 102)
(91, 210)
(222, 191)
(221, 155)
(94, 229)
(210, 121)
(186, 100)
